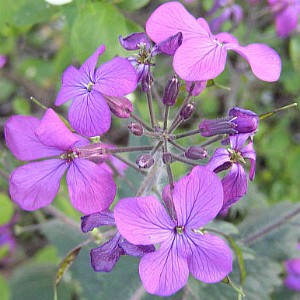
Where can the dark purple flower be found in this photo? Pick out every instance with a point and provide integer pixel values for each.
(202, 55)
(286, 14)
(235, 182)
(197, 199)
(104, 257)
(292, 281)
(35, 184)
(142, 62)
(89, 114)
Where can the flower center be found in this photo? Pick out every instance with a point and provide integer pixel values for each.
(179, 229)
(69, 155)
(89, 87)
(215, 40)
(236, 156)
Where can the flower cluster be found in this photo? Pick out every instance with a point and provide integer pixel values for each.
(168, 233)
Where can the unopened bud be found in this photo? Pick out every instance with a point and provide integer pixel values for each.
(147, 81)
(171, 91)
(218, 126)
(246, 120)
(94, 152)
(136, 128)
(119, 106)
(167, 158)
(145, 161)
(196, 152)
(187, 111)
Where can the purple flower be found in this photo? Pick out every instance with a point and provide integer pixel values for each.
(89, 114)
(286, 14)
(142, 62)
(3, 60)
(292, 281)
(235, 182)
(202, 55)
(183, 249)
(104, 257)
(35, 184)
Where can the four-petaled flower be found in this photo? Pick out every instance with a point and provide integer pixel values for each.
(35, 184)
(90, 88)
(202, 55)
(197, 199)
(235, 182)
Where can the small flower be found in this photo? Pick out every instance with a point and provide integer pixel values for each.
(104, 257)
(286, 14)
(197, 199)
(235, 182)
(35, 184)
(202, 55)
(89, 113)
(3, 61)
(292, 281)
(143, 61)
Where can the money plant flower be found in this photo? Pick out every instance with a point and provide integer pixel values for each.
(235, 182)
(202, 55)
(91, 88)
(104, 257)
(35, 184)
(183, 249)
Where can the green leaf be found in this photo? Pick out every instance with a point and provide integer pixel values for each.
(21, 106)
(34, 12)
(96, 24)
(4, 289)
(7, 88)
(35, 281)
(295, 52)
(132, 4)
(7, 209)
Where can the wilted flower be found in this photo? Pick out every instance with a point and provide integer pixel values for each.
(235, 182)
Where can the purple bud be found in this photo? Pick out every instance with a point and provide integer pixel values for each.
(103, 218)
(146, 82)
(187, 111)
(167, 158)
(135, 41)
(136, 128)
(168, 46)
(119, 106)
(145, 161)
(94, 152)
(171, 91)
(218, 126)
(196, 152)
(246, 120)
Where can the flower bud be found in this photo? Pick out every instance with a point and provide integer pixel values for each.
(167, 158)
(187, 111)
(218, 126)
(136, 128)
(196, 152)
(246, 120)
(171, 91)
(94, 152)
(145, 161)
(119, 106)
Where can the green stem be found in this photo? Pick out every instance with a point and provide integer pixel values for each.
(267, 229)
